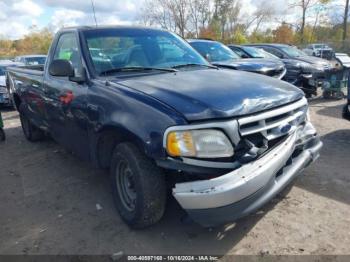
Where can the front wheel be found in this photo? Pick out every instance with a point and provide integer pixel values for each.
(138, 186)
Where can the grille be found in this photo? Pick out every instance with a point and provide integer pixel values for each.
(275, 123)
(326, 67)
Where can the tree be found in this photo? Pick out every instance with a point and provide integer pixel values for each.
(180, 12)
(265, 11)
(284, 34)
(172, 15)
(306, 6)
(36, 42)
(200, 15)
(156, 12)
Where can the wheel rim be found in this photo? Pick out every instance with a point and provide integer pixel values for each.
(126, 185)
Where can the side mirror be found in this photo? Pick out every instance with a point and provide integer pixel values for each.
(79, 77)
(61, 67)
(64, 68)
(207, 57)
(245, 56)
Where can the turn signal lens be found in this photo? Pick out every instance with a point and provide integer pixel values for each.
(180, 144)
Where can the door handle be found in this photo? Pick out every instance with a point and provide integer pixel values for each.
(67, 97)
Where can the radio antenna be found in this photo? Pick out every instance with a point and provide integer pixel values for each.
(93, 10)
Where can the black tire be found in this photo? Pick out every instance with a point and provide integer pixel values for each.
(339, 95)
(327, 94)
(346, 112)
(2, 135)
(31, 132)
(140, 203)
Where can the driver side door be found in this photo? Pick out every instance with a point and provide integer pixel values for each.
(66, 100)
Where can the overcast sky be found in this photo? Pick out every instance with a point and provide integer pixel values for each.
(17, 16)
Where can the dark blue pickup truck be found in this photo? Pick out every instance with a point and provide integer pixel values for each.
(144, 104)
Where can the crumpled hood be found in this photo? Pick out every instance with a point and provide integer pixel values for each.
(252, 65)
(313, 60)
(214, 94)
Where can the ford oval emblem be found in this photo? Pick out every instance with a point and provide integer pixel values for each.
(285, 129)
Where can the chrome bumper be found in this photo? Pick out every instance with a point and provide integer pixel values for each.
(244, 182)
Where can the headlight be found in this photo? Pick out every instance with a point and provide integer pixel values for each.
(306, 67)
(206, 143)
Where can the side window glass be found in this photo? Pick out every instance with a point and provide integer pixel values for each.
(274, 52)
(239, 52)
(170, 51)
(68, 49)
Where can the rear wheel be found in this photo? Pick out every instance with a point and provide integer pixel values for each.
(327, 94)
(339, 95)
(2, 135)
(30, 131)
(138, 187)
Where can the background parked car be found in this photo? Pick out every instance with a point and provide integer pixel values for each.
(309, 71)
(294, 74)
(31, 59)
(319, 50)
(220, 55)
(251, 52)
(4, 93)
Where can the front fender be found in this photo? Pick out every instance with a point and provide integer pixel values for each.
(135, 114)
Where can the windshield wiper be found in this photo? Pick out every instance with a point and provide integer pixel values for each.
(193, 64)
(136, 68)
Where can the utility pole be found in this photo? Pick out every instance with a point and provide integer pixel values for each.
(345, 25)
(93, 10)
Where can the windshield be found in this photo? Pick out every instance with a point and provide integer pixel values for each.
(112, 49)
(292, 51)
(35, 60)
(321, 46)
(255, 52)
(258, 53)
(214, 51)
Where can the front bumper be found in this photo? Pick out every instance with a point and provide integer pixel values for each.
(245, 190)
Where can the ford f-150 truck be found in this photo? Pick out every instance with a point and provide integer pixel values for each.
(142, 103)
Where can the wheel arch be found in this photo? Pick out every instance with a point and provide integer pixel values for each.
(17, 101)
(107, 138)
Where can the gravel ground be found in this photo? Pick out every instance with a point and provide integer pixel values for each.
(52, 203)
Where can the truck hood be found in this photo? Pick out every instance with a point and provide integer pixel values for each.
(214, 94)
(255, 65)
(313, 60)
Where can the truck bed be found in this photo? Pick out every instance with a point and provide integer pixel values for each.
(31, 70)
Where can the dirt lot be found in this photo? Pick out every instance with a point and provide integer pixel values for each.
(48, 205)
